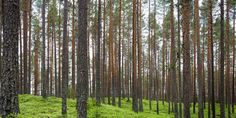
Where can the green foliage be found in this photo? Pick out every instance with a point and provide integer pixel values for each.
(37, 107)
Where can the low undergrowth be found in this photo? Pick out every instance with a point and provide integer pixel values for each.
(37, 107)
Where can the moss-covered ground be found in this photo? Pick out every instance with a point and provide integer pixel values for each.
(37, 107)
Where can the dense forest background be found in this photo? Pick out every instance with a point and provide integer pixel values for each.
(173, 57)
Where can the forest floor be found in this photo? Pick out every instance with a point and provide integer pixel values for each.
(37, 107)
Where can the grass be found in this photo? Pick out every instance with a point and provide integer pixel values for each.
(37, 107)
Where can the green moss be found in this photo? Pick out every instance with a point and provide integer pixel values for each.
(37, 107)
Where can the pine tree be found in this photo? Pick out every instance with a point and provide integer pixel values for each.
(227, 42)
(222, 104)
(59, 53)
(25, 39)
(65, 60)
(98, 81)
(73, 50)
(134, 84)
(36, 57)
(9, 75)
(172, 60)
(104, 76)
(186, 57)
(199, 59)
(233, 45)
(140, 59)
(43, 75)
(82, 67)
(179, 64)
(210, 64)
(119, 56)
(29, 66)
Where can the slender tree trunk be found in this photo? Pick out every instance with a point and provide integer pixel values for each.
(179, 64)
(82, 67)
(88, 46)
(48, 53)
(104, 52)
(211, 61)
(43, 77)
(140, 59)
(29, 66)
(233, 45)
(25, 38)
(194, 73)
(134, 91)
(149, 54)
(8, 98)
(98, 81)
(111, 76)
(129, 60)
(51, 64)
(36, 64)
(172, 60)
(203, 67)
(73, 51)
(186, 57)
(119, 56)
(21, 61)
(65, 60)
(55, 56)
(163, 59)
(59, 53)
(227, 41)
(222, 104)
(199, 59)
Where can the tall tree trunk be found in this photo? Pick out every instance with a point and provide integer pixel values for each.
(59, 53)
(82, 67)
(186, 57)
(51, 63)
(43, 77)
(203, 67)
(111, 75)
(233, 45)
(129, 60)
(55, 54)
(21, 62)
(93, 66)
(194, 73)
(36, 63)
(140, 59)
(88, 46)
(8, 98)
(65, 60)
(163, 58)
(210, 63)
(149, 58)
(73, 50)
(222, 104)
(29, 66)
(119, 56)
(104, 53)
(48, 53)
(98, 81)
(172, 60)
(134, 91)
(179, 64)
(227, 41)
(199, 59)
(25, 38)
